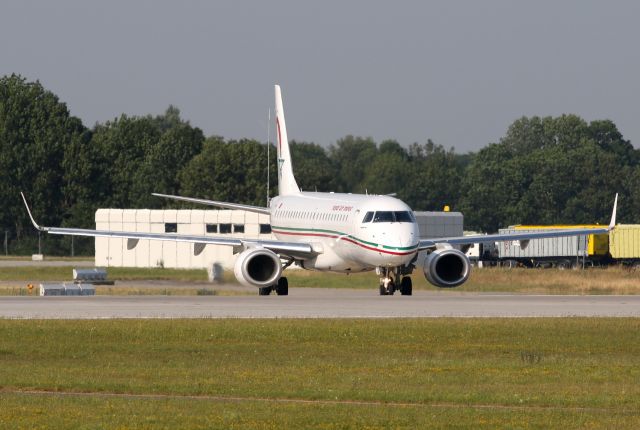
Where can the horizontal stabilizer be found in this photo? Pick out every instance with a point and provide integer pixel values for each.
(248, 208)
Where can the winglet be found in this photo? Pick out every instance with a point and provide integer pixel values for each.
(31, 216)
(287, 184)
(612, 224)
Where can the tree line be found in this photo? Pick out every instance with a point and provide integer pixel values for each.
(544, 170)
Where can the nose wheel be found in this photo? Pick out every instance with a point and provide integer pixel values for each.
(389, 282)
(387, 289)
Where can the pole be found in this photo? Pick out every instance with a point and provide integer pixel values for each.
(268, 148)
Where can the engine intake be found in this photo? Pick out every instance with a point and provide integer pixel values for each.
(258, 267)
(447, 268)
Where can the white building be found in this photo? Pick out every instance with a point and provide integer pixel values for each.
(154, 253)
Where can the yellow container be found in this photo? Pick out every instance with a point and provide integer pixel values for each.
(624, 241)
(598, 244)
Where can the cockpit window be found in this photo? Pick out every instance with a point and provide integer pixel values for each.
(368, 217)
(383, 216)
(404, 216)
(398, 216)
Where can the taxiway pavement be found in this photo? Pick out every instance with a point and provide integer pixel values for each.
(320, 303)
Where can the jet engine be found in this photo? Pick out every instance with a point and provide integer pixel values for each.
(447, 268)
(258, 267)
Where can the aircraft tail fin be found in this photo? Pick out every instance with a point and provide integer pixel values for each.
(286, 181)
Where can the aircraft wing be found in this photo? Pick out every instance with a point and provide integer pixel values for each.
(523, 238)
(225, 205)
(290, 249)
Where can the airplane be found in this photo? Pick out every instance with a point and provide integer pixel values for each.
(333, 232)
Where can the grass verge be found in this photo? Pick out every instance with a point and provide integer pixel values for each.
(398, 373)
(612, 280)
(64, 273)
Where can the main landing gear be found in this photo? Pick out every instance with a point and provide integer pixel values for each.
(389, 281)
(281, 288)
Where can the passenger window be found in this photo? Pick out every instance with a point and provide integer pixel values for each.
(368, 217)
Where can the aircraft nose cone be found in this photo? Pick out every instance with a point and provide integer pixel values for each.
(402, 240)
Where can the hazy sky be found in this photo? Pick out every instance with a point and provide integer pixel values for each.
(458, 72)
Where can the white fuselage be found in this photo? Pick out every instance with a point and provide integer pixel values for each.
(333, 224)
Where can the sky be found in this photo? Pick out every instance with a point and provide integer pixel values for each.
(457, 72)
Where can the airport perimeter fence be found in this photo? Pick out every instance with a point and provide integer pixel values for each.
(42, 243)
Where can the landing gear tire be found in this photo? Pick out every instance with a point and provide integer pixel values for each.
(282, 289)
(264, 291)
(389, 290)
(406, 286)
(383, 290)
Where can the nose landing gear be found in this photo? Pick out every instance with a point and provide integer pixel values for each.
(389, 278)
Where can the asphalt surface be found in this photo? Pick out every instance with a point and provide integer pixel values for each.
(320, 303)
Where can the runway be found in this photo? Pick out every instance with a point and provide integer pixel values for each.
(320, 303)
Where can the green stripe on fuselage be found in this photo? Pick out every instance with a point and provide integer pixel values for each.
(338, 233)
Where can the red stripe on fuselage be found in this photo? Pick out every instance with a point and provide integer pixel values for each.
(384, 251)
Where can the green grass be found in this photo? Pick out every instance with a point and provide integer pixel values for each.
(65, 273)
(613, 280)
(408, 373)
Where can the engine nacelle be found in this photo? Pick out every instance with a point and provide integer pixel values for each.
(447, 268)
(258, 267)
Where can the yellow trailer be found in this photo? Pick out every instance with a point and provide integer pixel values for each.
(624, 242)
